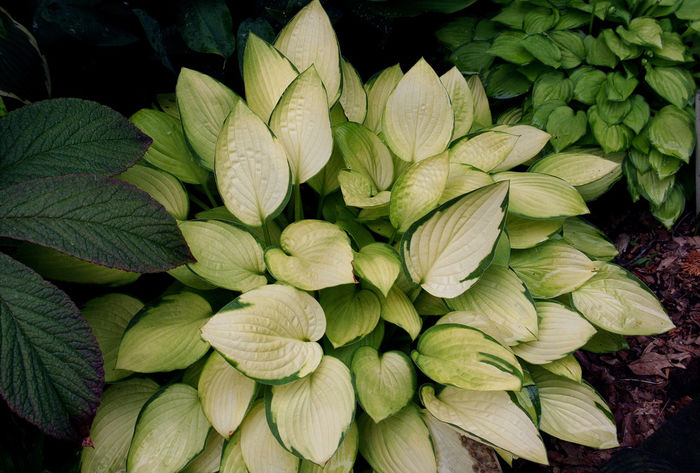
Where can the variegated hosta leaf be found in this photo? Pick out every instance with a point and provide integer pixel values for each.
(541, 196)
(363, 151)
(384, 383)
(309, 39)
(379, 264)
(261, 451)
(461, 179)
(455, 452)
(587, 238)
(232, 456)
(165, 336)
(466, 357)
(552, 268)
(342, 460)
(358, 191)
(187, 277)
(269, 334)
(346, 353)
(378, 89)
(418, 120)
(398, 310)
(482, 112)
(225, 394)
(108, 316)
(312, 415)
(461, 101)
(314, 255)
(351, 313)
(113, 426)
(326, 181)
(580, 167)
(484, 151)
(574, 412)
(417, 191)
(204, 104)
(503, 297)
(210, 459)
(162, 186)
(169, 150)
(302, 123)
(526, 232)
(171, 430)
(568, 367)
(501, 254)
(266, 73)
(561, 332)
(398, 444)
(227, 255)
(222, 213)
(448, 249)
(251, 168)
(353, 98)
(475, 320)
(618, 302)
(531, 140)
(488, 417)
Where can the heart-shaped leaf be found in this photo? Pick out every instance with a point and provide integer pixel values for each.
(350, 313)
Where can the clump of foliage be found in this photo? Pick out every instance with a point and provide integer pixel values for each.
(431, 261)
(615, 73)
(56, 162)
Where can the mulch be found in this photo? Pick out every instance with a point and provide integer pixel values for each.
(658, 375)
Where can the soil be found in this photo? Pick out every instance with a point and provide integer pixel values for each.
(658, 375)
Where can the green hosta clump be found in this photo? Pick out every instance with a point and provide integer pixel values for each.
(615, 73)
(439, 291)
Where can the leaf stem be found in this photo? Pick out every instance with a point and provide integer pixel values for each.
(266, 233)
(199, 202)
(298, 209)
(209, 195)
(392, 239)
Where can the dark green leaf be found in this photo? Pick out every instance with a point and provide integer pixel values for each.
(533, 70)
(618, 88)
(51, 368)
(571, 19)
(587, 82)
(486, 30)
(598, 53)
(543, 49)
(513, 15)
(154, 35)
(504, 82)
(539, 20)
(24, 73)
(66, 136)
(566, 127)
(207, 27)
(572, 49)
(643, 32)
(508, 46)
(664, 166)
(472, 58)
(689, 10)
(675, 84)
(638, 115)
(541, 114)
(653, 188)
(672, 208)
(671, 132)
(453, 34)
(612, 138)
(260, 27)
(619, 47)
(673, 48)
(94, 218)
(639, 160)
(552, 86)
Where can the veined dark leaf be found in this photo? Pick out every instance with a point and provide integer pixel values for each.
(95, 218)
(207, 27)
(66, 136)
(50, 368)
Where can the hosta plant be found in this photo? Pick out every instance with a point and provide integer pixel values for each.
(615, 73)
(390, 282)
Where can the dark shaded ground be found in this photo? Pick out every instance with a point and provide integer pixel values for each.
(658, 375)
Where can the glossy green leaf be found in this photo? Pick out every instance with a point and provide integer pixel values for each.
(675, 84)
(642, 31)
(508, 46)
(364, 152)
(269, 334)
(472, 57)
(621, 48)
(398, 309)
(543, 49)
(587, 81)
(598, 53)
(580, 167)
(351, 313)
(170, 431)
(587, 238)
(612, 137)
(573, 52)
(671, 132)
(672, 208)
(207, 27)
(165, 336)
(566, 127)
(505, 82)
(551, 86)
